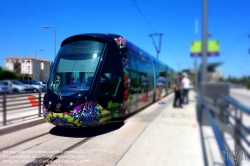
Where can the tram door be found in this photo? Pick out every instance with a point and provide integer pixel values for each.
(109, 91)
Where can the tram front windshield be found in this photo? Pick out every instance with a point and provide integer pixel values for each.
(75, 66)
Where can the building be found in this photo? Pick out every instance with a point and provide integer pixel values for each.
(44, 70)
(213, 74)
(216, 75)
(29, 67)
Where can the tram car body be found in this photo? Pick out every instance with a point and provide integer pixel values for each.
(101, 78)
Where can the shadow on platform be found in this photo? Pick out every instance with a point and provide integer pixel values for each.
(85, 132)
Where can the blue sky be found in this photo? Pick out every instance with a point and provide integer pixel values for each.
(229, 22)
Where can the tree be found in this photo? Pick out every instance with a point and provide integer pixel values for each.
(7, 75)
(248, 85)
(221, 79)
(191, 78)
(51, 65)
(21, 78)
(25, 77)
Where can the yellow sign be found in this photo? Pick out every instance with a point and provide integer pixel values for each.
(213, 48)
(196, 47)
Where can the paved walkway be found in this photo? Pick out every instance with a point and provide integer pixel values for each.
(172, 138)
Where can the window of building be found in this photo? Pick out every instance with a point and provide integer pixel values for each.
(42, 66)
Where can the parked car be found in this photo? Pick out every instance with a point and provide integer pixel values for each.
(36, 85)
(16, 86)
(44, 85)
(4, 88)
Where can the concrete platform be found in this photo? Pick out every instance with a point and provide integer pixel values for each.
(172, 138)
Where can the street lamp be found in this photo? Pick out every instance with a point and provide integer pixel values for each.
(55, 38)
(36, 51)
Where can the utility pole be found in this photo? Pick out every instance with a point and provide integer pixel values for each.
(195, 58)
(158, 49)
(204, 41)
(179, 67)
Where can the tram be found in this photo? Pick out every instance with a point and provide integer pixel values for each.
(99, 78)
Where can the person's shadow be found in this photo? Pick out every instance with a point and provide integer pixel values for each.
(85, 132)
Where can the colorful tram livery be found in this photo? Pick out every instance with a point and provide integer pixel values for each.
(100, 78)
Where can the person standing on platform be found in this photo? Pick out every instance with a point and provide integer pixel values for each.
(177, 91)
(186, 86)
(161, 81)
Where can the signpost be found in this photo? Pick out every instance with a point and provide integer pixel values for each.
(213, 48)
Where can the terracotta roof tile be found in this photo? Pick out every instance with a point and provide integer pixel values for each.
(44, 60)
(26, 58)
(29, 57)
(12, 58)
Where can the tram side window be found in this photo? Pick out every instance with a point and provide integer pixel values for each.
(110, 81)
(133, 74)
(141, 74)
(161, 70)
(145, 71)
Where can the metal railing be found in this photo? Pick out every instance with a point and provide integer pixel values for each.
(225, 115)
(19, 107)
(216, 130)
(241, 131)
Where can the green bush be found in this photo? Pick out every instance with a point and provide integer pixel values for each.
(248, 85)
(7, 75)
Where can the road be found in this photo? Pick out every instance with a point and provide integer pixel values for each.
(241, 94)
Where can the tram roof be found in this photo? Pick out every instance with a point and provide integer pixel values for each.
(109, 38)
